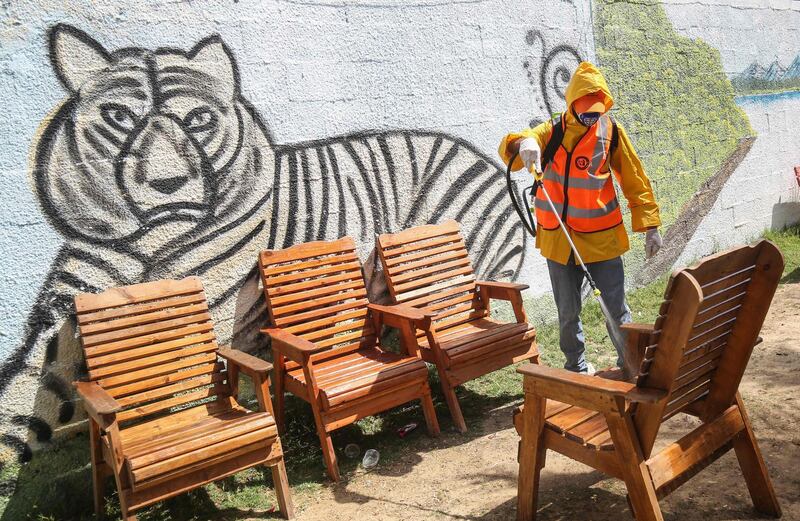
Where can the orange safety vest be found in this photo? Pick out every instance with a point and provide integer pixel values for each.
(585, 198)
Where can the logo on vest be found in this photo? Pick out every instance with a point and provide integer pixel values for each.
(582, 162)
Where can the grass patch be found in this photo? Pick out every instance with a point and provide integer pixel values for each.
(56, 483)
(788, 241)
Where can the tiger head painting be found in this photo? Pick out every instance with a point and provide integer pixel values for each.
(149, 136)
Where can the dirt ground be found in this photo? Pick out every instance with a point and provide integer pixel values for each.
(458, 477)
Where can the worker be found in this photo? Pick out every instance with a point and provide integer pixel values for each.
(578, 150)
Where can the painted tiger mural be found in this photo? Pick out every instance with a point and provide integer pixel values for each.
(156, 167)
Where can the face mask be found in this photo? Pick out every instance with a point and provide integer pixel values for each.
(589, 118)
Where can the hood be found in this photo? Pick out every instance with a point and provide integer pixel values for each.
(587, 79)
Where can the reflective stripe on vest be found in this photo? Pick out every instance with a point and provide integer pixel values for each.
(591, 200)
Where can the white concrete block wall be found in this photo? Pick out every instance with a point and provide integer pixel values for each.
(763, 192)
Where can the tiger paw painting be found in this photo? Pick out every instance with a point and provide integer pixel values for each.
(155, 166)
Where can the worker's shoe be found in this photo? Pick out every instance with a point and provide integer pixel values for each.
(590, 370)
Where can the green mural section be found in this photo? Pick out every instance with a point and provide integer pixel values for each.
(672, 97)
(745, 85)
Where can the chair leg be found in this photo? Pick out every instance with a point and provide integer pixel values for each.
(282, 490)
(99, 477)
(531, 457)
(754, 470)
(641, 492)
(452, 404)
(430, 414)
(126, 515)
(280, 404)
(99, 470)
(642, 496)
(328, 453)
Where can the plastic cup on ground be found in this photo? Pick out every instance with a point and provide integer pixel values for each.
(371, 458)
(351, 450)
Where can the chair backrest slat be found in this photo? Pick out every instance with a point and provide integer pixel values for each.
(761, 266)
(702, 368)
(428, 267)
(316, 291)
(151, 346)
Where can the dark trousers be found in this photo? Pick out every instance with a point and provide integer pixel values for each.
(566, 281)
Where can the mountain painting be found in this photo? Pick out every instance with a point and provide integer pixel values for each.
(757, 78)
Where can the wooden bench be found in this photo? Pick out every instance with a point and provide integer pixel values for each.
(691, 361)
(325, 341)
(428, 268)
(163, 416)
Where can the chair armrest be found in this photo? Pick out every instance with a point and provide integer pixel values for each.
(100, 405)
(391, 315)
(292, 346)
(589, 392)
(637, 328)
(405, 319)
(509, 291)
(247, 363)
(501, 290)
(638, 339)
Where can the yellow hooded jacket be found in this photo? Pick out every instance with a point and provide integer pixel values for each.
(606, 244)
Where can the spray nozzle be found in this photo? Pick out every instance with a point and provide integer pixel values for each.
(538, 176)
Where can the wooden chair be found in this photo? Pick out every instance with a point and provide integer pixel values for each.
(163, 416)
(692, 360)
(325, 341)
(428, 267)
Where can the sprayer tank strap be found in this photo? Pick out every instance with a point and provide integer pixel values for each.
(557, 137)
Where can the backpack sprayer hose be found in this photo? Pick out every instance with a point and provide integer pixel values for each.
(526, 218)
(530, 226)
